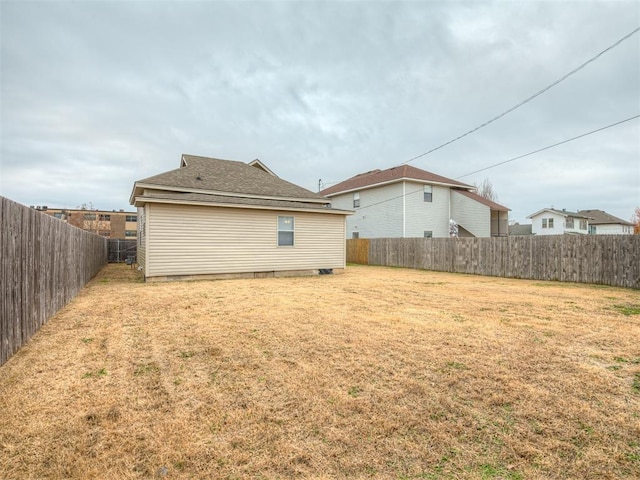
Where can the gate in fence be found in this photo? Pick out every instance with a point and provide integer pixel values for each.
(120, 250)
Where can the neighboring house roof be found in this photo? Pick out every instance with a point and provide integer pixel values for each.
(479, 198)
(517, 229)
(390, 175)
(599, 217)
(562, 212)
(214, 176)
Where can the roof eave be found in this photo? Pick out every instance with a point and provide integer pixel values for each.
(142, 200)
(397, 180)
(142, 186)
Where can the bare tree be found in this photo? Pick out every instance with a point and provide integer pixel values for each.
(485, 189)
(92, 221)
(635, 219)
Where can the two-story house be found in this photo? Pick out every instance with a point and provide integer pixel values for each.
(405, 201)
(550, 221)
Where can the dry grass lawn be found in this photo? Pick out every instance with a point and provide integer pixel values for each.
(377, 373)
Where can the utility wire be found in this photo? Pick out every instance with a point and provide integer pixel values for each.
(549, 146)
(560, 80)
(513, 159)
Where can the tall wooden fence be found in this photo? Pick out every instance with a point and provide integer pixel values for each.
(602, 259)
(44, 263)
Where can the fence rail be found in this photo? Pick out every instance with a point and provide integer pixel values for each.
(601, 259)
(44, 263)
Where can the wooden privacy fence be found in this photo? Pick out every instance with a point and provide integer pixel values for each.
(603, 259)
(44, 263)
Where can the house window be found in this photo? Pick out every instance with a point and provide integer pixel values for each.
(131, 218)
(130, 233)
(104, 233)
(583, 224)
(592, 229)
(89, 216)
(544, 223)
(285, 231)
(547, 223)
(356, 200)
(428, 193)
(551, 223)
(569, 222)
(355, 235)
(428, 234)
(105, 218)
(58, 215)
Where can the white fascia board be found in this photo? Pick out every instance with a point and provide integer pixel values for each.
(397, 180)
(166, 188)
(333, 211)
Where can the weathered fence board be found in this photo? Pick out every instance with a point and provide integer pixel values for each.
(44, 263)
(603, 259)
(358, 251)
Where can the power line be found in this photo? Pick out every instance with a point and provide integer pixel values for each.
(560, 80)
(515, 158)
(550, 146)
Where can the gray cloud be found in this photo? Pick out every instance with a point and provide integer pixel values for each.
(98, 94)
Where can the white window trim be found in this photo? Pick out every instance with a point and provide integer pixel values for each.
(292, 231)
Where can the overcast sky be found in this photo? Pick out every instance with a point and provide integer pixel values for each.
(98, 94)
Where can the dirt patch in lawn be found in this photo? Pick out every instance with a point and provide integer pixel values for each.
(377, 373)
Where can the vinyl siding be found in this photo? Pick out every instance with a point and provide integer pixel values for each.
(194, 240)
(613, 229)
(141, 247)
(558, 224)
(379, 214)
(421, 215)
(473, 216)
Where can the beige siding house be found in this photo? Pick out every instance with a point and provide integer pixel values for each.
(406, 202)
(214, 218)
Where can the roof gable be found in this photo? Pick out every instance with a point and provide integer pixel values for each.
(564, 213)
(216, 176)
(390, 175)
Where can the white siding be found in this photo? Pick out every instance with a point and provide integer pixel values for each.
(421, 215)
(558, 224)
(613, 229)
(142, 237)
(379, 214)
(473, 216)
(194, 240)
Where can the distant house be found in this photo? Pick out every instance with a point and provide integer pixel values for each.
(405, 201)
(214, 218)
(518, 230)
(602, 223)
(550, 221)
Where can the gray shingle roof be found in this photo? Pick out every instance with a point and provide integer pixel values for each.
(228, 176)
(600, 217)
(376, 177)
(518, 229)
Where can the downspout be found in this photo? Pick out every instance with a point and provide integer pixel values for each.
(404, 217)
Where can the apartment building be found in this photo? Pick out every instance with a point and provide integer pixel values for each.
(116, 224)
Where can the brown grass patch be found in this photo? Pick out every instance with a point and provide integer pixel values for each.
(377, 373)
